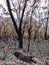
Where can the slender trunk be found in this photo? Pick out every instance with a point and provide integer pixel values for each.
(28, 44)
(20, 41)
(34, 36)
(29, 38)
(45, 34)
(46, 29)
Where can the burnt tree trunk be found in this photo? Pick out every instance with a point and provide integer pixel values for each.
(46, 29)
(28, 44)
(18, 30)
(20, 40)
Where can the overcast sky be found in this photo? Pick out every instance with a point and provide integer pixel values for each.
(3, 2)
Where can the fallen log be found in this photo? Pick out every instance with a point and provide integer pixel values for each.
(24, 57)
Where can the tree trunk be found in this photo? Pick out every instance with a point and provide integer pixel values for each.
(28, 44)
(20, 41)
(29, 36)
(46, 29)
(34, 36)
(45, 35)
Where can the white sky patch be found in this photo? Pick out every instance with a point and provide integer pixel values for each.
(3, 2)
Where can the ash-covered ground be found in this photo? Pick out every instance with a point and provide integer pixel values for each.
(39, 50)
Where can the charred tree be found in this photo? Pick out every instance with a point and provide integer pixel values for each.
(30, 27)
(18, 30)
(46, 29)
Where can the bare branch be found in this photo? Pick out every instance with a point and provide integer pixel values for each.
(14, 8)
(22, 14)
(2, 7)
(14, 22)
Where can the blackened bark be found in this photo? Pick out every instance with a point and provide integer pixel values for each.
(14, 22)
(21, 20)
(20, 25)
(46, 29)
(18, 30)
(28, 44)
(20, 39)
(45, 35)
(24, 57)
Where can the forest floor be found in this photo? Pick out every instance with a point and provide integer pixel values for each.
(39, 50)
